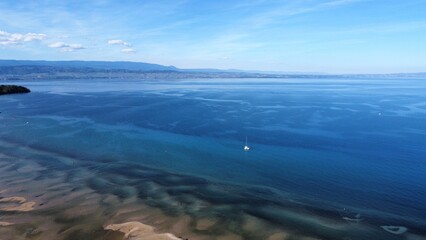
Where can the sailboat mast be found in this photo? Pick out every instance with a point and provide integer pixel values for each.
(246, 147)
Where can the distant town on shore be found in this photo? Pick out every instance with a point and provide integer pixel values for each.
(32, 70)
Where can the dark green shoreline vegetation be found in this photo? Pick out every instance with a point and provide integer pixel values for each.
(10, 89)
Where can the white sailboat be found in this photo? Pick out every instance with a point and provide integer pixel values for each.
(246, 147)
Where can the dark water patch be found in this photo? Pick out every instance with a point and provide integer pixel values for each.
(44, 154)
(124, 192)
(57, 188)
(73, 175)
(111, 235)
(133, 172)
(47, 174)
(145, 190)
(303, 224)
(180, 190)
(222, 225)
(292, 221)
(186, 199)
(100, 185)
(28, 231)
(169, 179)
(71, 220)
(76, 189)
(376, 221)
(119, 180)
(167, 206)
(222, 212)
(260, 191)
(157, 193)
(215, 195)
(57, 210)
(13, 167)
(51, 162)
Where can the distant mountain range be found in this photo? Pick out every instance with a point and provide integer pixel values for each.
(31, 69)
(28, 70)
(131, 66)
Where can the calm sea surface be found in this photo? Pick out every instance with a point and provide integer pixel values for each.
(341, 150)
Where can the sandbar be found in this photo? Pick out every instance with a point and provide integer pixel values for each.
(23, 207)
(5, 224)
(140, 231)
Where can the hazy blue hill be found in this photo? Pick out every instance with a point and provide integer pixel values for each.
(21, 69)
(132, 66)
(30, 69)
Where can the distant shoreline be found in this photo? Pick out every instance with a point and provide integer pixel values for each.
(11, 70)
(70, 75)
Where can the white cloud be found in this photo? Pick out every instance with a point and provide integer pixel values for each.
(66, 47)
(119, 42)
(128, 50)
(127, 46)
(7, 38)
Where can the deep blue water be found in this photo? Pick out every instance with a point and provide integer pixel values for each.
(330, 145)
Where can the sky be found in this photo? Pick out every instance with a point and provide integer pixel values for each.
(316, 36)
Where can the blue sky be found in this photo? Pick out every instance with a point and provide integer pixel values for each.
(332, 36)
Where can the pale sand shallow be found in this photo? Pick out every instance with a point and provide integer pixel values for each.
(5, 224)
(205, 223)
(278, 236)
(14, 199)
(78, 212)
(23, 207)
(140, 231)
(71, 213)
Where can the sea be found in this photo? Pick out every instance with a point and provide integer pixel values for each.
(330, 158)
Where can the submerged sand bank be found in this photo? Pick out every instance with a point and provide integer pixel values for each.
(24, 205)
(5, 224)
(140, 231)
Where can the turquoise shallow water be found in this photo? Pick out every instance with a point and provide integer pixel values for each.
(321, 148)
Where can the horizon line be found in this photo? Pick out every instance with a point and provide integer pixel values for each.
(275, 72)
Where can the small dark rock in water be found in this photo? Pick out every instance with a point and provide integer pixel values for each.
(9, 89)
